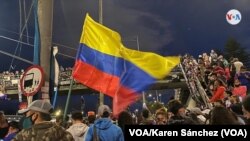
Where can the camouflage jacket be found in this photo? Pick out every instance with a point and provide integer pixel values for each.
(46, 131)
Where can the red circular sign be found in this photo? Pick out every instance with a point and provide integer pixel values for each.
(32, 80)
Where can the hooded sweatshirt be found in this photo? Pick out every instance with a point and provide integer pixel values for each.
(106, 131)
(78, 130)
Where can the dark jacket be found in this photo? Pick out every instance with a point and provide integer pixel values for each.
(45, 131)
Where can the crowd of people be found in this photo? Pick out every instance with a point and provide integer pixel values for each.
(225, 83)
(10, 80)
(36, 123)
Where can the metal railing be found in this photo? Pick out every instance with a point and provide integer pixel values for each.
(197, 92)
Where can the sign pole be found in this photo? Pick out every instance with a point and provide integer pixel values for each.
(29, 99)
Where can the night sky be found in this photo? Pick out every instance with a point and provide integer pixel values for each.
(166, 27)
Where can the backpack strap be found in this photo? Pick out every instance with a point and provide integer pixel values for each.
(95, 136)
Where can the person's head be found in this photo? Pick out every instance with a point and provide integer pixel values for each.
(220, 57)
(76, 116)
(145, 113)
(38, 111)
(13, 127)
(91, 119)
(212, 76)
(124, 118)
(246, 107)
(25, 121)
(222, 116)
(161, 117)
(176, 108)
(237, 83)
(104, 111)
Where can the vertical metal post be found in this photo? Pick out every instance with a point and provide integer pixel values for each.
(68, 98)
(101, 96)
(137, 41)
(45, 20)
(157, 96)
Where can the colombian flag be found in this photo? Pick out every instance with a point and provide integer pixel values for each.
(103, 63)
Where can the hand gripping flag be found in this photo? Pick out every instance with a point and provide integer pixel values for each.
(103, 63)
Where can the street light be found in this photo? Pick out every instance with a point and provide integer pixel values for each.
(150, 95)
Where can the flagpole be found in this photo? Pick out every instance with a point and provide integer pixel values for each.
(137, 41)
(101, 96)
(143, 97)
(138, 48)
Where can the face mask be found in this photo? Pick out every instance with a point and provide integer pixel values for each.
(27, 122)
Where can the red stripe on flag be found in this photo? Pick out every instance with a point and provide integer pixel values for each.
(123, 99)
(96, 79)
(105, 83)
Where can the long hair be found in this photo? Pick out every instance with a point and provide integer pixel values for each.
(124, 118)
(222, 116)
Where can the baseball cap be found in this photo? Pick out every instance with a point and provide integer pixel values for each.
(91, 113)
(102, 109)
(42, 106)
